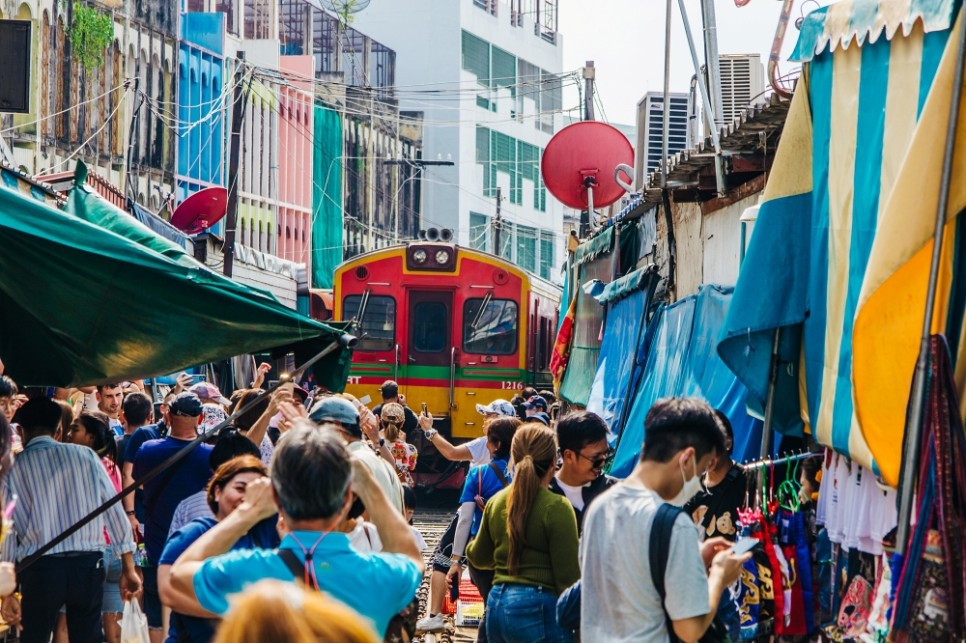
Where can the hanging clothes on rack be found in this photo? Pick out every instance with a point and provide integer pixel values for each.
(776, 595)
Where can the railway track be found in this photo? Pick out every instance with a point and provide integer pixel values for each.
(432, 521)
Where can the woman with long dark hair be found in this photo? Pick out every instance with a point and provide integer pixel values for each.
(93, 429)
(528, 537)
(225, 492)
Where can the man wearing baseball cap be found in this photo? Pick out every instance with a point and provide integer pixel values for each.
(163, 494)
(343, 416)
(536, 409)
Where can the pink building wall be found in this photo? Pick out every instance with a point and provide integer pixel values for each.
(295, 160)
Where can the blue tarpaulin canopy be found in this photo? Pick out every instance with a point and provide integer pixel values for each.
(681, 360)
(628, 299)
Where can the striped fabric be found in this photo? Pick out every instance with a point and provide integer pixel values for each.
(813, 267)
(56, 485)
(892, 299)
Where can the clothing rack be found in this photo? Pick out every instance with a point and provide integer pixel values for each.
(768, 462)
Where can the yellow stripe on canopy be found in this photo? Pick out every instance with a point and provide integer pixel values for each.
(891, 305)
(847, 66)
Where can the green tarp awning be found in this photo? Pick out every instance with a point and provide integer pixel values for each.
(83, 302)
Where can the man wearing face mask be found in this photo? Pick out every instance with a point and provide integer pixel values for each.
(619, 600)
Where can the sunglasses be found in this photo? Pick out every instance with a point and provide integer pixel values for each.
(599, 461)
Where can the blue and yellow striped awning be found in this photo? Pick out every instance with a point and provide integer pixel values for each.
(869, 71)
(857, 22)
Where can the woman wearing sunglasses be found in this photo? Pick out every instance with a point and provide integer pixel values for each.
(584, 453)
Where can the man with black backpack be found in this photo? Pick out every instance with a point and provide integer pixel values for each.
(670, 588)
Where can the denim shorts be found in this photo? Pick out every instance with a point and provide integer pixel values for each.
(112, 591)
(523, 614)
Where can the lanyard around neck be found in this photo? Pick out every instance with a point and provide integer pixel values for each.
(308, 567)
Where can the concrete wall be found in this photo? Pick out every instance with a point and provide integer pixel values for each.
(707, 241)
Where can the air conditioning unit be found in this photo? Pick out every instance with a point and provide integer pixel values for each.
(742, 83)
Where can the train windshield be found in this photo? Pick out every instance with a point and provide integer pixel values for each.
(492, 331)
(377, 330)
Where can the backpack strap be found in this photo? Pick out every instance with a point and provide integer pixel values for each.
(658, 551)
(499, 474)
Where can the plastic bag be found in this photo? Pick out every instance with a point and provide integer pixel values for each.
(134, 624)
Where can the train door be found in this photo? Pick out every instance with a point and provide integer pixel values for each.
(428, 353)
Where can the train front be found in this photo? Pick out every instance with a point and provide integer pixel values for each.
(448, 325)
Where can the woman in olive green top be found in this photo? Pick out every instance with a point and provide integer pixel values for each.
(529, 538)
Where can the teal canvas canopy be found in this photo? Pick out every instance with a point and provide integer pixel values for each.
(94, 296)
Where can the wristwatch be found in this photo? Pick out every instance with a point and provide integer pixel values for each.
(382, 442)
(431, 434)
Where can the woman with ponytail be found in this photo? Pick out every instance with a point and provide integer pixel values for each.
(529, 538)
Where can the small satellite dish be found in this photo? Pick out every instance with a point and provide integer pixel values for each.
(582, 157)
(201, 210)
(344, 8)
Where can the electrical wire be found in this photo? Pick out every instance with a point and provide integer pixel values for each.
(100, 129)
(71, 108)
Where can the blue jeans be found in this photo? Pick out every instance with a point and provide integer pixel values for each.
(523, 614)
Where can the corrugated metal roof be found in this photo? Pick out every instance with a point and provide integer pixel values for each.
(743, 137)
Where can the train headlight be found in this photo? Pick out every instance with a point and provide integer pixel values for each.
(419, 256)
(442, 257)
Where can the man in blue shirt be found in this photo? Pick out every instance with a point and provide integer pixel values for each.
(310, 482)
(163, 494)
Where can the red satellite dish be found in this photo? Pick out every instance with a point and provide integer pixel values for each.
(585, 153)
(201, 210)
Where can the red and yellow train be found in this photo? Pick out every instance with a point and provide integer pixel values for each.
(454, 327)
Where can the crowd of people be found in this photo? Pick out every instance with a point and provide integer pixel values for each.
(291, 518)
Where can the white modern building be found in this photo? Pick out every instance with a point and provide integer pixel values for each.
(486, 75)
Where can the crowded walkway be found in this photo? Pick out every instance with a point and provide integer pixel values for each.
(312, 495)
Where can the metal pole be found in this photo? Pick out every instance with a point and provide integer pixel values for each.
(908, 474)
(498, 225)
(137, 100)
(711, 59)
(589, 74)
(234, 151)
(711, 109)
(769, 409)
(665, 129)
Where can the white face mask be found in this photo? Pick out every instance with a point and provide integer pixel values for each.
(689, 490)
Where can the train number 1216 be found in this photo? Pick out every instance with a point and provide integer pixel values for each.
(511, 386)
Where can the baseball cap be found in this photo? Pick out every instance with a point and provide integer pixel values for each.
(208, 392)
(393, 413)
(540, 417)
(334, 409)
(536, 402)
(499, 407)
(186, 404)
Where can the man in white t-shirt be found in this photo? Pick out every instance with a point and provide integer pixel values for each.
(582, 441)
(619, 601)
(475, 450)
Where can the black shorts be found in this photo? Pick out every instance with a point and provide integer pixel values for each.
(444, 548)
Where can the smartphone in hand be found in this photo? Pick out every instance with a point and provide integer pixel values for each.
(744, 546)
